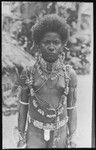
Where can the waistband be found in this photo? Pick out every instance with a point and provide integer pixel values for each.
(48, 126)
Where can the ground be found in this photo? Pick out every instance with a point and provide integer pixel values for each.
(84, 112)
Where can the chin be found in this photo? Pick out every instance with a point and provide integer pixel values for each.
(50, 59)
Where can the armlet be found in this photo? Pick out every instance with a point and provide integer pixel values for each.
(24, 103)
(71, 107)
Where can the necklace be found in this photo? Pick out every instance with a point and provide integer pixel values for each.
(46, 76)
(44, 72)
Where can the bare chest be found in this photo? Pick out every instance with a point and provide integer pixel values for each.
(50, 90)
(54, 83)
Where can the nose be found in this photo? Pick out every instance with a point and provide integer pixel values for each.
(51, 47)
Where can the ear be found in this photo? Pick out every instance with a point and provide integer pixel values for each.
(34, 49)
(66, 49)
(64, 46)
(37, 46)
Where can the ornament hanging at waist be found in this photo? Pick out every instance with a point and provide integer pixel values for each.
(46, 134)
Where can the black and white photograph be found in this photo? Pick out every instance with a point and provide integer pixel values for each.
(47, 74)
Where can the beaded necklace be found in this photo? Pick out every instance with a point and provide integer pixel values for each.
(42, 68)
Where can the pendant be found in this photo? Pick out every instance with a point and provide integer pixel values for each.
(54, 77)
(46, 134)
(32, 92)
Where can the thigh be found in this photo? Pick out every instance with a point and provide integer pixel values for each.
(34, 137)
(62, 133)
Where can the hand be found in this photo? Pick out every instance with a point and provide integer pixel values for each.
(22, 140)
(21, 144)
(72, 145)
(71, 142)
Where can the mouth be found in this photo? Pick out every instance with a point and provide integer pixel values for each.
(51, 54)
(53, 51)
(50, 57)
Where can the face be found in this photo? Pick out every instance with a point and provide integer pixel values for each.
(51, 46)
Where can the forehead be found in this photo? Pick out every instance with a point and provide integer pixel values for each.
(51, 35)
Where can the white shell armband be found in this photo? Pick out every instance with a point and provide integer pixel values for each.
(72, 107)
(23, 103)
(32, 92)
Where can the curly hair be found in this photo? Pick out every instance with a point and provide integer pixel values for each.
(50, 23)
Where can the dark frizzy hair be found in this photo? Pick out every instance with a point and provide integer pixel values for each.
(50, 23)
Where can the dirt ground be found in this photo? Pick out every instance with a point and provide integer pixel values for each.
(84, 112)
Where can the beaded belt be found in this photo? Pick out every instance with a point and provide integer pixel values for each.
(48, 127)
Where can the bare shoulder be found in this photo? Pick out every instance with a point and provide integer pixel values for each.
(27, 70)
(25, 75)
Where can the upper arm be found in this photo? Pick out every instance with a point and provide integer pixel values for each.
(72, 95)
(73, 79)
(24, 94)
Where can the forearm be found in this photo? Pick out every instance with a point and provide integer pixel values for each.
(23, 109)
(71, 110)
(22, 117)
(72, 122)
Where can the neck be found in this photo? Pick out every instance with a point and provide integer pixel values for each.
(49, 67)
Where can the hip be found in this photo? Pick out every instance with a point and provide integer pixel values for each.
(35, 137)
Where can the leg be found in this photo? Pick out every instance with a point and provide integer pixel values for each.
(62, 133)
(35, 137)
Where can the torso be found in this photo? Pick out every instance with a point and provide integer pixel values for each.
(51, 91)
(49, 95)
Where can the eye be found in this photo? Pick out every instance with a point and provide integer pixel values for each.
(47, 42)
(57, 42)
